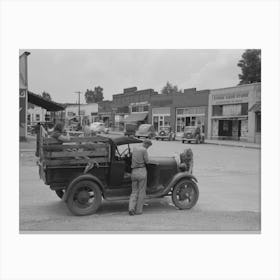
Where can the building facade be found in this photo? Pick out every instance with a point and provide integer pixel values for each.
(189, 108)
(130, 104)
(234, 114)
(37, 114)
(88, 112)
(105, 112)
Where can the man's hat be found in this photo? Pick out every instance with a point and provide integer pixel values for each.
(147, 142)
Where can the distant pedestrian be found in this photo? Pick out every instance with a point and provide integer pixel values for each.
(87, 131)
(139, 178)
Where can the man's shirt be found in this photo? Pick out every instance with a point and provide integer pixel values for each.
(139, 157)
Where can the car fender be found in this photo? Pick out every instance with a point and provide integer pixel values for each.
(80, 178)
(178, 177)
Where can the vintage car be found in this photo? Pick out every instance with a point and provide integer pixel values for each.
(89, 170)
(165, 133)
(193, 134)
(130, 129)
(145, 131)
(99, 127)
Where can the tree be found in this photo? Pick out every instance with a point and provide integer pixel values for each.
(250, 65)
(170, 89)
(46, 96)
(94, 96)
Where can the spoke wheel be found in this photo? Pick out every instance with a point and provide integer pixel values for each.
(185, 194)
(84, 198)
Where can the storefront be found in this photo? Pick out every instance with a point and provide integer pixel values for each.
(160, 117)
(229, 116)
(190, 116)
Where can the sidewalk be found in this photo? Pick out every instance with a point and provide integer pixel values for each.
(233, 144)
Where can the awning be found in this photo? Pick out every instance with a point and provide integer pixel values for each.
(46, 104)
(256, 107)
(136, 117)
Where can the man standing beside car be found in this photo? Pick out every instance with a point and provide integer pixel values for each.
(139, 178)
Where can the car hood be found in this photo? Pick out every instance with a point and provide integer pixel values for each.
(163, 161)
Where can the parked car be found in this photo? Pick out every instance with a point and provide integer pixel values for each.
(130, 129)
(193, 134)
(83, 186)
(165, 133)
(146, 131)
(99, 127)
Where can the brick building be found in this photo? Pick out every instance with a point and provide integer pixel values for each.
(131, 104)
(180, 110)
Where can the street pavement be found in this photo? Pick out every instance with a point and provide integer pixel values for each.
(229, 201)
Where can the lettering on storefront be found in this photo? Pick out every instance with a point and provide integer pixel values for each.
(228, 98)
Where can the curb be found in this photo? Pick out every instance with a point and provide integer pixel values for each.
(232, 145)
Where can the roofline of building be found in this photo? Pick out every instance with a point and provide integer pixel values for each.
(244, 85)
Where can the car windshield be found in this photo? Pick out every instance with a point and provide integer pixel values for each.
(190, 129)
(95, 124)
(144, 127)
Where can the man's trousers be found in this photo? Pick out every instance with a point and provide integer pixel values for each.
(139, 185)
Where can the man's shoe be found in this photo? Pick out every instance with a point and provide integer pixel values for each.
(131, 212)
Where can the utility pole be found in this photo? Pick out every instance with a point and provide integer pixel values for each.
(79, 110)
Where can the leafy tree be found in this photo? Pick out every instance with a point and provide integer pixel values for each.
(170, 89)
(46, 96)
(94, 96)
(250, 65)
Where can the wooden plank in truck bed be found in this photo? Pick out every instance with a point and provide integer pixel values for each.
(78, 140)
(65, 162)
(67, 146)
(96, 153)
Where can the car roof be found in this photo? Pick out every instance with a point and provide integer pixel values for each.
(122, 140)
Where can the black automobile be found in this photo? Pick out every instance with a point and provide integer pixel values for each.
(106, 173)
(165, 133)
(193, 134)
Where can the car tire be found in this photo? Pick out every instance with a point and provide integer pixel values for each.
(80, 194)
(183, 141)
(60, 193)
(185, 194)
(157, 138)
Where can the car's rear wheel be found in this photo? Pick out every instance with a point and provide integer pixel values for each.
(84, 198)
(185, 194)
(183, 141)
(60, 193)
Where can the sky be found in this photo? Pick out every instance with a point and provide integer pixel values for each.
(63, 72)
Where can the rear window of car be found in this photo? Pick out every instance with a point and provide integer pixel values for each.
(144, 127)
(189, 129)
(166, 129)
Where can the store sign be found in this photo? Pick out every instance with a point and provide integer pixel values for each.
(230, 98)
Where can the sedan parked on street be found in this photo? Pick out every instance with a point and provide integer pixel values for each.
(99, 127)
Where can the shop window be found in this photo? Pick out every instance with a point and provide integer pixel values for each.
(28, 119)
(232, 110)
(217, 110)
(180, 111)
(244, 109)
(258, 122)
(146, 108)
(47, 117)
(133, 109)
(37, 117)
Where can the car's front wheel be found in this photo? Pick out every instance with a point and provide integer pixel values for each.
(84, 198)
(185, 194)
